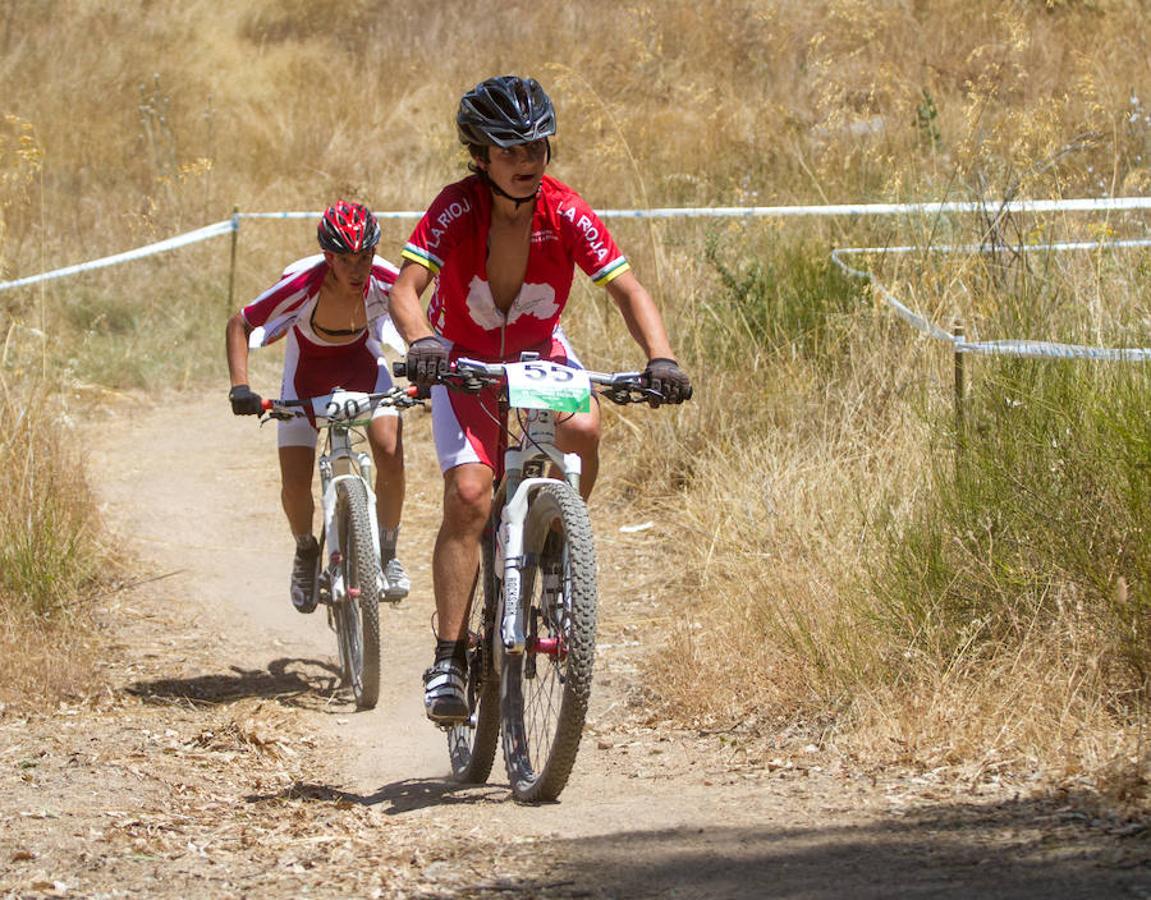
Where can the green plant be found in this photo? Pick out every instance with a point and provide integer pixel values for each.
(785, 299)
(1046, 513)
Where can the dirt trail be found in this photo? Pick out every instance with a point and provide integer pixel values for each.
(220, 760)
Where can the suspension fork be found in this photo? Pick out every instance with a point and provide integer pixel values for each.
(538, 445)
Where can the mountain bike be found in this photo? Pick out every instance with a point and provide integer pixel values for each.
(351, 581)
(532, 616)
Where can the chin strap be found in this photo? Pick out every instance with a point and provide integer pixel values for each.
(496, 189)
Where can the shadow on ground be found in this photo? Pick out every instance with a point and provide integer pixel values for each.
(400, 796)
(1017, 849)
(1024, 848)
(293, 682)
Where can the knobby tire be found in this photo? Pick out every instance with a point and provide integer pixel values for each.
(358, 619)
(544, 698)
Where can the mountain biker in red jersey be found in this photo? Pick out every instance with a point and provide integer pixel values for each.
(333, 308)
(502, 246)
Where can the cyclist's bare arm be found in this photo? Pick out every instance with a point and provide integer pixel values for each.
(641, 315)
(236, 339)
(406, 309)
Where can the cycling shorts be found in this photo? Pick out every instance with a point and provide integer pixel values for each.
(466, 427)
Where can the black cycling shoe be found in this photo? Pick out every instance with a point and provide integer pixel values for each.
(445, 693)
(304, 568)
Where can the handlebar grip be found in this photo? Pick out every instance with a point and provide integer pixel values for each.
(400, 368)
(266, 404)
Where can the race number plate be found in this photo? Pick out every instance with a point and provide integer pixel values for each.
(342, 406)
(548, 385)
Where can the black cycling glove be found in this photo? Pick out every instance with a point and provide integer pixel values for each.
(665, 375)
(427, 360)
(245, 401)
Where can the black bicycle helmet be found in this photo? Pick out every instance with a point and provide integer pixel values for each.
(505, 111)
(348, 228)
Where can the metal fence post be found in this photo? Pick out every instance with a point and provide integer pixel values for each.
(958, 333)
(232, 266)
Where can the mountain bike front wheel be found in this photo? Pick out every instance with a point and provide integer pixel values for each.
(545, 690)
(357, 616)
(472, 744)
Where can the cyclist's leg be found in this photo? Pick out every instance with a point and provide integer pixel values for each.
(467, 505)
(577, 433)
(455, 560)
(296, 439)
(296, 466)
(386, 437)
(466, 439)
(466, 432)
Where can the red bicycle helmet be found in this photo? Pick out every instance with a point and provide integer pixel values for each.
(348, 228)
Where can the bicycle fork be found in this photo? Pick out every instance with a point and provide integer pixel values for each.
(510, 559)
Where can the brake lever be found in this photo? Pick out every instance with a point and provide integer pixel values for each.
(465, 381)
(623, 394)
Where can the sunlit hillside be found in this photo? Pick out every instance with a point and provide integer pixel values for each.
(826, 564)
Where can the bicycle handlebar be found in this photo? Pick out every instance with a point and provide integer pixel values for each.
(472, 374)
(341, 405)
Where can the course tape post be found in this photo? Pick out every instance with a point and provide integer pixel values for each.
(1107, 204)
(1045, 349)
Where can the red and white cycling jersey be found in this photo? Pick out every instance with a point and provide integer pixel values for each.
(290, 301)
(452, 240)
(313, 366)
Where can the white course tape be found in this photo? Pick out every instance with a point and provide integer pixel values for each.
(844, 209)
(1087, 204)
(399, 214)
(180, 240)
(1045, 349)
(998, 248)
(1051, 350)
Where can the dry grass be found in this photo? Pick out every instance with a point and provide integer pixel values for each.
(812, 449)
(42, 663)
(51, 557)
